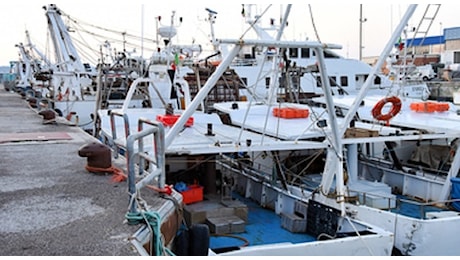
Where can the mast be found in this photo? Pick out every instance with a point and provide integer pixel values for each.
(25, 72)
(361, 21)
(68, 62)
(275, 67)
(32, 46)
(212, 20)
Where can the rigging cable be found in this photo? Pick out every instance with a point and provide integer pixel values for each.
(313, 23)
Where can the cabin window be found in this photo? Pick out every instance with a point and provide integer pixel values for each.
(333, 81)
(329, 55)
(344, 81)
(305, 53)
(293, 53)
(282, 81)
(456, 57)
(296, 82)
(377, 80)
(360, 79)
(318, 81)
(267, 82)
(245, 81)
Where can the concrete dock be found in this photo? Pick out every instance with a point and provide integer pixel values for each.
(50, 205)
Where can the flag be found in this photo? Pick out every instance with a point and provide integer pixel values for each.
(400, 44)
(176, 58)
(242, 10)
(176, 61)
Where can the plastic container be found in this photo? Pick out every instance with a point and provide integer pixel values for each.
(193, 194)
(170, 120)
(289, 112)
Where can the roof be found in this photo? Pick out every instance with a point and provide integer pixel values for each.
(425, 41)
(449, 34)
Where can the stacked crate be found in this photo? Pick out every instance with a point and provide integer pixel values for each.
(296, 222)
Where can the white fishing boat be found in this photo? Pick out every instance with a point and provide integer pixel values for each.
(399, 157)
(196, 140)
(299, 75)
(232, 162)
(75, 90)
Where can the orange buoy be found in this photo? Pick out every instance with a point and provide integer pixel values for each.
(395, 108)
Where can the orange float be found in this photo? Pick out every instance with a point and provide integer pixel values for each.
(170, 120)
(290, 112)
(429, 107)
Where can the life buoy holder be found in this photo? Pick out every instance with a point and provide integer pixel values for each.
(395, 108)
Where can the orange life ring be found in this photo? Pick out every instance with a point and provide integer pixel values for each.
(395, 108)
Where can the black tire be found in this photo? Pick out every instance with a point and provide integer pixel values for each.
(199, 240)
(182, 243)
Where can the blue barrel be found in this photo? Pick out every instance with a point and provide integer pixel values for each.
(455, 192)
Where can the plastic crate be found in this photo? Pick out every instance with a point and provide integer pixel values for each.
(170, 120)
(194, 193)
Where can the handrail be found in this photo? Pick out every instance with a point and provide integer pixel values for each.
(159, 147)
(158, 160)
(113, 127)
(398, 201)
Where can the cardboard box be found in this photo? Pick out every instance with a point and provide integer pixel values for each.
(354, 132)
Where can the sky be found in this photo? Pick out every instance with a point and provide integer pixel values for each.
(335, 22)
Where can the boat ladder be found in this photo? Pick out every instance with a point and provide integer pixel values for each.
(425, 23)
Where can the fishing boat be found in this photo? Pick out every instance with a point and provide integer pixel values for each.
(299, 75)
(196, 140)
(399, 158)
(63, 86)
(404, 172)
(223, 170)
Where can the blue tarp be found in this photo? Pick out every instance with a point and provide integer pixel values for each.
(455, 192)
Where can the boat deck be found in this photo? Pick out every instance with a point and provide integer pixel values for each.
(263, 227)
(49, 203)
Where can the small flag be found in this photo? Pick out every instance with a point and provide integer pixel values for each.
(242, 10)
(176, 61)
(400, 44)
(176, 58)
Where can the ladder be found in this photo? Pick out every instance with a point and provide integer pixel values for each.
(425, 24)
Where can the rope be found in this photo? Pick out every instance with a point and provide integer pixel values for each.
(359, 235)
(118, 174)
(153, 220)
(245, 244)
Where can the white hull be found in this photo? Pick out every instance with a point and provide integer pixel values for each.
(375, 245)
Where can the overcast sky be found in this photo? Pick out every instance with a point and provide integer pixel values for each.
(335, 22)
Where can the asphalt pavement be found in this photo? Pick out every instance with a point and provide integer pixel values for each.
(50, 205)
